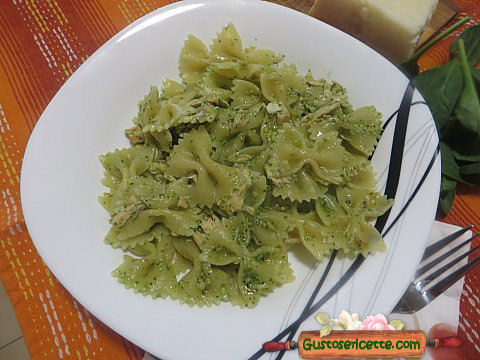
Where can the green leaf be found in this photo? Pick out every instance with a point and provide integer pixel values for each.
(446, 201)
(410, 67)
(447, 194)
(470, 168)
(470, 173)
(447, 184)
(471, 40)
(449, 165)
(471, 179)
(465, 135)
(441, 87)
(451, 92)
(476, 78)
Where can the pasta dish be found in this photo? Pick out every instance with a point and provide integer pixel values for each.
(230, 167)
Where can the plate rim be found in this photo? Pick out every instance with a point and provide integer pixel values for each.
(78, 73)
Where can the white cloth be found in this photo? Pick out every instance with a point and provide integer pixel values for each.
(445, 308)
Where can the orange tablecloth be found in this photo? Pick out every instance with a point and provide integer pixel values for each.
(42, 42)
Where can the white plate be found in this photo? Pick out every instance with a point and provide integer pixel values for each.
(61, 178)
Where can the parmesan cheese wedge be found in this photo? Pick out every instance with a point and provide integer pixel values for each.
(392, 27)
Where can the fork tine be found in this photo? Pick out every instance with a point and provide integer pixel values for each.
(424, 282)
(442, 257)
(451, 279)
(432, 249)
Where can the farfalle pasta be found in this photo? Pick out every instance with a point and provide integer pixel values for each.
(232, 165)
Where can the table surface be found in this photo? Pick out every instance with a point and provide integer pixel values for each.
(41, 44)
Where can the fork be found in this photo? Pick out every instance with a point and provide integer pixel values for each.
(417, 295)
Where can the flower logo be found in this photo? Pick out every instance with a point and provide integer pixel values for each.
(377, 322)
(347, 321)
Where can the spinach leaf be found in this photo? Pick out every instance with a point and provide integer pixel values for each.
(410, 67)
(447, 193)
(473, 168)
(465, 173)
(470, 173)
(476, 78)
(452, 93)
(471, 40)
(465, 135)
(449, 165)
(441, 87)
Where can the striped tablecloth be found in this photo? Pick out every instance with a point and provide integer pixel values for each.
(42, 42)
